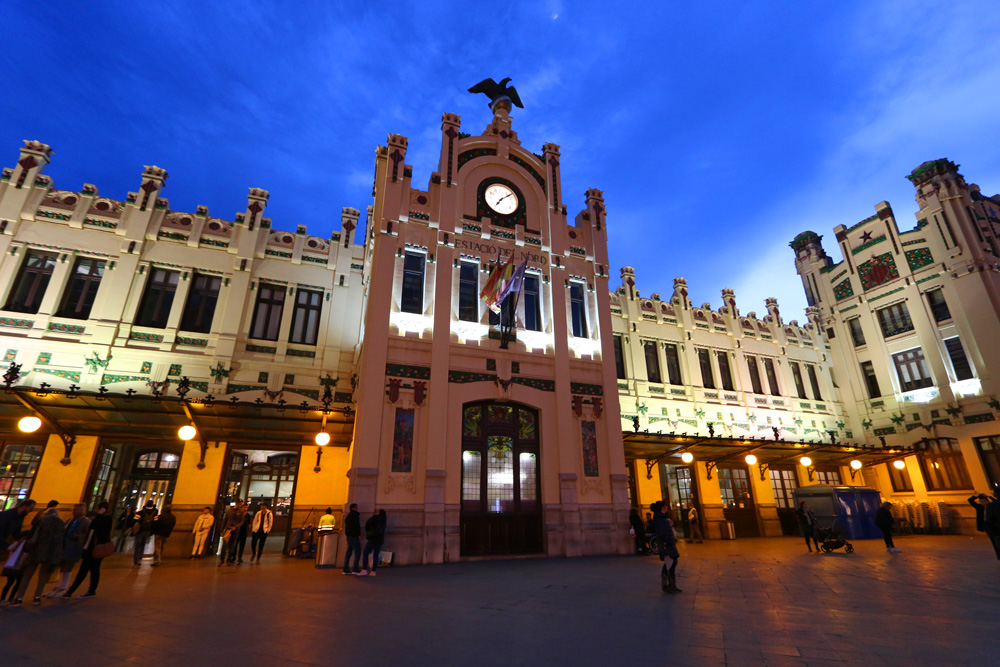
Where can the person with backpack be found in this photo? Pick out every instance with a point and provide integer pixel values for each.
(142, 526)
(374, 537)
(162, 527)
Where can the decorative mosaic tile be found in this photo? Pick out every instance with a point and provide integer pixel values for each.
(877, 271)
(175, 369)
(587, 389)
(147, 366)
(145, 337)
(919, 258)
(289, 378)
(266, 349)
(843, 290)
(418, 372)
(261, 377)
(308, 354)
(43, 359)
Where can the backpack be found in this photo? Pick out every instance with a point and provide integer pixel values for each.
(146, 522)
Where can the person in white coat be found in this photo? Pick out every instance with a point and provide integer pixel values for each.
(202, 529)
(261, 526)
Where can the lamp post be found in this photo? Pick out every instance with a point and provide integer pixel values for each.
(29, 424)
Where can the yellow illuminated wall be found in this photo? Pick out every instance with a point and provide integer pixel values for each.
(65, 483)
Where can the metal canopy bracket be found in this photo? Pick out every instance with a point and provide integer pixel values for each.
(201, 437)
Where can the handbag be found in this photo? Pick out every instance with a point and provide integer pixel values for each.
(103, 550)
(385, 559)
(16, 558)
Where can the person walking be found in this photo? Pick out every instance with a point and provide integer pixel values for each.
(352, 532)
(884, 522)
(162, 527)
(124, 527)
(374, 537)
(77, 530)
(241, 536)
(666, 541)
(695, 522)
(991, 525)
(231, 522)
(807, 524)
(202, 528)
(637, 531)
(142, 524)
(99, 535)
(263, 520)
(12, 538)
(44, 553)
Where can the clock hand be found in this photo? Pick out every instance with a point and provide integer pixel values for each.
(504, 197)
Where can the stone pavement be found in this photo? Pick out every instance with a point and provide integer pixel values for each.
(748, 602)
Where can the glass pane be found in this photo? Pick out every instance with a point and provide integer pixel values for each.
(471, 481)
(528, 470)
(500, 474)
(527, 430)
(501, 413)
(471, 422)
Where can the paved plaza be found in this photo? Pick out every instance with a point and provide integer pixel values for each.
(748, 602)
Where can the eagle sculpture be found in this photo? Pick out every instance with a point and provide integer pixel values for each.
(497, 92)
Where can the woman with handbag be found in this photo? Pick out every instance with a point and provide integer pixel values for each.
(96, 548)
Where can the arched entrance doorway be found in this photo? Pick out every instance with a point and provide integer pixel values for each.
(258, 476)
(501, 499)
(132, 475)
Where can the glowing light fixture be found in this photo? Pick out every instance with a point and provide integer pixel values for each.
(187, 432)
(29, 424)
(806, 461)
(322, 438)
(898, 464)
(750, 459)
(856, 464)
(687, 457)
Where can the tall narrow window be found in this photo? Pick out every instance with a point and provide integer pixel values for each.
(871, 382)
(894, 320)
(508, 314)
(754, 375)
(412, 297)
(857, 333)
(963, 370)
(468, 292)
(673, 364)
(82, 288)
(18, 466)
(200, 307)
(578, 309)
(619, 357)
(772, 377)
(532, 303)
(652, 361)
(814, 382)
(939, 307)
(707, 377)
(912, 369)
(29, 288)
(800, 387)
(724, 372)
(267, 311)
(158, 297)
(305, 317)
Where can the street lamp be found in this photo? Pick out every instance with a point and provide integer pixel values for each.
(750, 459)
(29, 424)
(322, 438)
(187, 432)
(806, 461)
(856, 464)
(687, 457)
(898, 464)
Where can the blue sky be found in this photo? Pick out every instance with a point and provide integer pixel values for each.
(718, 130)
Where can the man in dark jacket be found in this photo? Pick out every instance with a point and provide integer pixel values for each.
(162, 527)
(143, 526)
(991, 523)
(374, 537)
(666, 542)
(352, 531)
(979, 502)
(11, 522)
(884, 522)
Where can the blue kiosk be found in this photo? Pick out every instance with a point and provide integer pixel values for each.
(848, 510)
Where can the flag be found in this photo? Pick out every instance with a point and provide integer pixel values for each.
(513, 286)
(499, 276)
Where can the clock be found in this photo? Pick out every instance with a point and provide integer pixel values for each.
(501, 199)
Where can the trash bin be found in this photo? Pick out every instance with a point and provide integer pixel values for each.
(728, 530)
(326, 551)
(293, 541)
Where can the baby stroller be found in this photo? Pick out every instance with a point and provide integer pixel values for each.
(831, 541)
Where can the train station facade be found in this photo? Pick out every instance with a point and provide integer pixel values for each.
(363, 367)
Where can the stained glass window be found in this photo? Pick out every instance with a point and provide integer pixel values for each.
(472, 465)
(528, 429)
(471, 421)
(528, 470)
(501, 413)
(500, 474)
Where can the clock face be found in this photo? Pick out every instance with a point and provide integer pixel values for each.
(501, 199)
